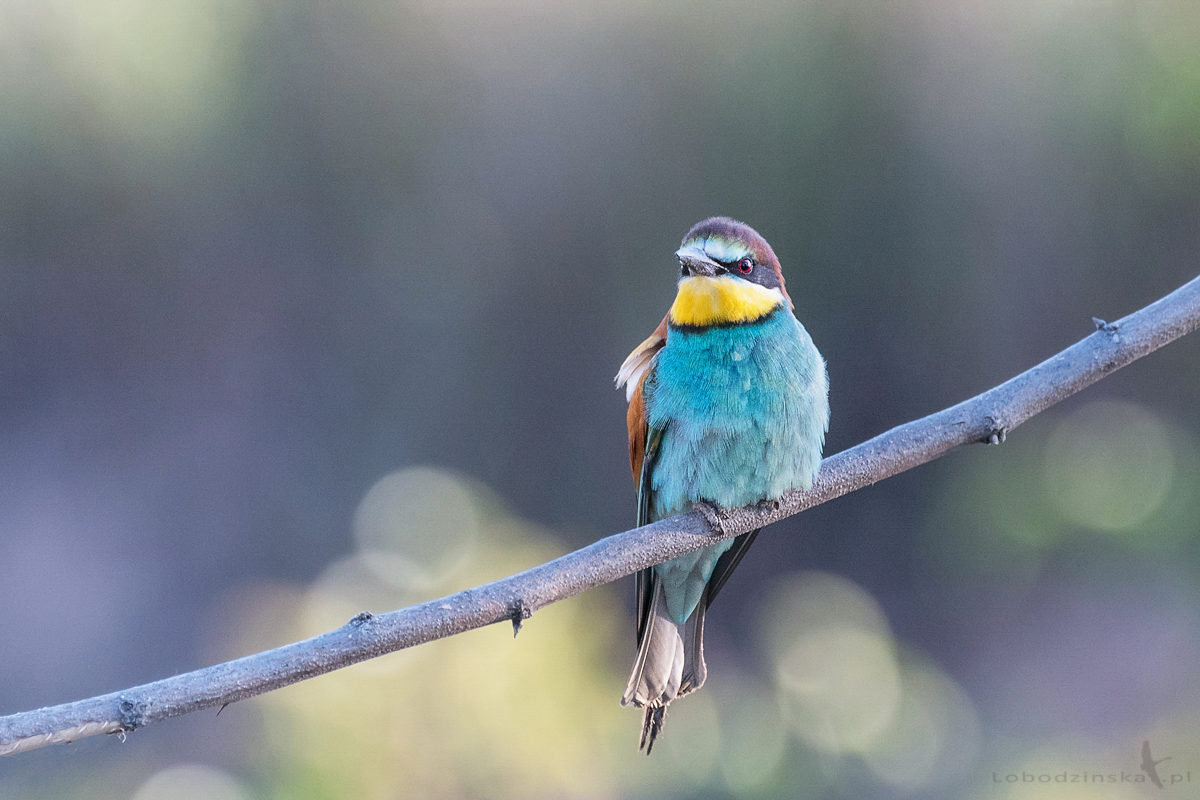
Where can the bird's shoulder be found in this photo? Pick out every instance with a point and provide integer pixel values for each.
(637, 363)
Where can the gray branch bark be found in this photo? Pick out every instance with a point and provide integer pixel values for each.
(988, 417)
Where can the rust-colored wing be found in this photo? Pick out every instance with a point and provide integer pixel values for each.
(643, 450)
(635, 421)
(632, 375)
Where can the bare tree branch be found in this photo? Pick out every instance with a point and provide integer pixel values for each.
(988, 417)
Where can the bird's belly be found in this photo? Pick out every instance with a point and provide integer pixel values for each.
(729, 462)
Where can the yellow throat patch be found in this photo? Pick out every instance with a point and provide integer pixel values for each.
(721, 300)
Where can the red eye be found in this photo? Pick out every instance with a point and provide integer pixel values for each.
(746, 266)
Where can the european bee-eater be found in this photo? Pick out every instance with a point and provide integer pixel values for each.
(728, 403)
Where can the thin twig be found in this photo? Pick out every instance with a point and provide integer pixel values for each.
(987, 417)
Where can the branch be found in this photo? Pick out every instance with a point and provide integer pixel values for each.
(988, 417)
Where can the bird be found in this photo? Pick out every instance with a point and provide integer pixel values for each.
(1150, 764)
(728, 405)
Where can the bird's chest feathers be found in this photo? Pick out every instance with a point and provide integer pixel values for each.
(723, 300)
(720, 378)
(742, 410)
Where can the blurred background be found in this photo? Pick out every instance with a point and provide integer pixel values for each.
(309, 309)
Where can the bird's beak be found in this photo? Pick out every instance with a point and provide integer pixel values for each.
(694, 261)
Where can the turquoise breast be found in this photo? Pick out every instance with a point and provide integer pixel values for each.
(744, 411)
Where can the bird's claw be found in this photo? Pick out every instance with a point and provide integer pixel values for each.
(518, 613)
(1111, 328)
(713, 515)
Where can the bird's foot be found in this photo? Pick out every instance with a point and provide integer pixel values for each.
(997, 431)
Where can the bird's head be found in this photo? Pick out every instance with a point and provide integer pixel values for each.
(728, 275)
